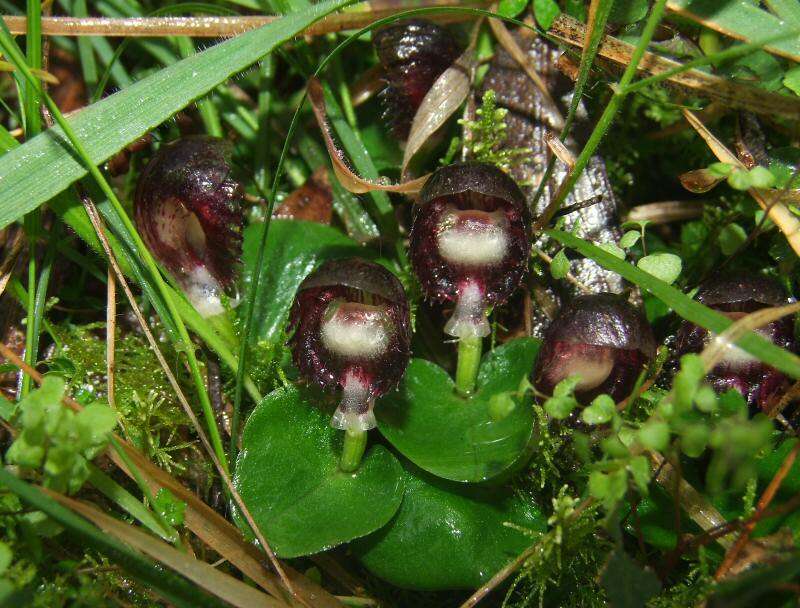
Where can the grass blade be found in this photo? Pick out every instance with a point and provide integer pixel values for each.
(41, 168)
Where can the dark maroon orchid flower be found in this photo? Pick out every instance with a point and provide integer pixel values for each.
(188, 211)
(469, 242)
(736, 297)
(352, 331)
(603, 339)
(413, 55)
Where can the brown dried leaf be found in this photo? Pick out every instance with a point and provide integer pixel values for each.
(349, 180)
(440, 103)
(312, 202)
(699, 180)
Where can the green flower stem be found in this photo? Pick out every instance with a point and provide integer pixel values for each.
(355, 441)
(469, 359)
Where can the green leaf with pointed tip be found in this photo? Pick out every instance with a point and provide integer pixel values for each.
(288, 475)
(294, 249)
(448, 535)
(460, 438)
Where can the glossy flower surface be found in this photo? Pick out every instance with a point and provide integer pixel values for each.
(188, 210)
(351, 330)
(603, 339)
(413, 55)
(735, 297)
(469, 242)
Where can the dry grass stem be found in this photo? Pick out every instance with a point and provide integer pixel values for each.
(207, 26)
(723, 90)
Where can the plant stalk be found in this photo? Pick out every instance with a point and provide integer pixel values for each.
(469, 359)
(355, 441)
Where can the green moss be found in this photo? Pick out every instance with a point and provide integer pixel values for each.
(153, 419)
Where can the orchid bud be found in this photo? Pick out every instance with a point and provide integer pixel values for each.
(469, 242)
(352, 331)
(601, 338)
(736, 297)
(188, 211)
(413, 55)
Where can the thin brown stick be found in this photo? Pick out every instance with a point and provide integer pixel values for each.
(7, 267)
(731, 94)
(111, 336)
(699, 510)
(208, 26)
(97, 223)
(763, 503)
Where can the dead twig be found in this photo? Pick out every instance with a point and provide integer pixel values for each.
(207, 26)
(111, 326)
(723, 90)
(763, 503)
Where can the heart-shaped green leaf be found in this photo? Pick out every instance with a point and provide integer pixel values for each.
(449, 535)
(294, 248)
(463, 439)
(288, 475)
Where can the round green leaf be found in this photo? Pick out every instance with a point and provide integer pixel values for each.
(730, 238)
(448, 535)
(511, 8)
(288, 475)
(664, 266)
(458, 438)
(629, 239)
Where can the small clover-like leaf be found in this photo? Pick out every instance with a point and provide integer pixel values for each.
(5, 557)
(600, 411)
(731, 237)
(560, 407)
(639, 468)
(760, 177)
(654, 435)
(739, 179)
(720, 169)
(613, 249)
(629, 239)
(694, 439)
(545, 11)
(566, 387)
(170, 507)
(511, 8)
(664, 266)
(706, 399)
(559, 266)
